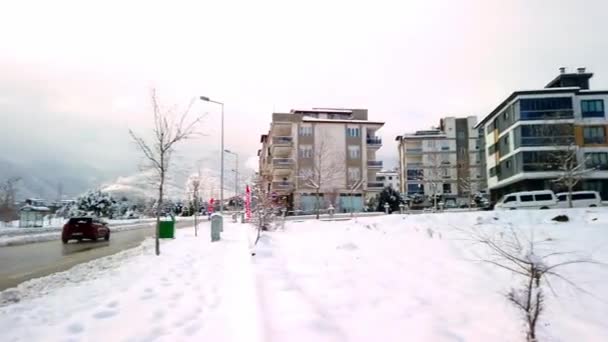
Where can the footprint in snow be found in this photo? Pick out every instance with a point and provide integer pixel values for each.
(75, 328)
(104, 314)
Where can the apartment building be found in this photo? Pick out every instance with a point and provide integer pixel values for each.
(526, 134)
(389, 179)
(331, 149)
(444, 161)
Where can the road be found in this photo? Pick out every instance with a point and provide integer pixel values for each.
(24, 262)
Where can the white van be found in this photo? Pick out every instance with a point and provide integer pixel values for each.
(580, 199)
(542, 199)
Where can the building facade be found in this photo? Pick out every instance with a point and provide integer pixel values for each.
(444, 161)
(389, 179)
(529, 134)
(332, 151)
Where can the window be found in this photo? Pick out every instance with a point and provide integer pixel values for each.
(460, 135)
(555, 134)
(510, 199)
(492, 149)
(305, 172)
(583, 196)
(597, 160)
(505, 141)
(445, 148)
(543, 197)
(390, 177)
(354, 173)
(445, 173)
(505, 115)
(492, 172)
(508, 164)
(562, 198)
(546, 108)
(592, 108)
(305, 151)
(594, 135)
(447, 188)
(305, 131)
(430, 144)
(353, 131)
(354, 152)
(416, 174)
(526, 198)
(415, 189)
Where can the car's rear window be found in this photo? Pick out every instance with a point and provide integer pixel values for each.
(80, 220)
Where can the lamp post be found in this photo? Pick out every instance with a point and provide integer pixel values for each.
(236, 172)
(204, 98)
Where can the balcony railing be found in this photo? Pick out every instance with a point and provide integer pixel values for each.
(414, 164)
(374, 163)
(374, 141)
(282, 185)
(282, 162)
(594, 140)
(541, 141)
(375, 185)
(413, 150)
(282, 140)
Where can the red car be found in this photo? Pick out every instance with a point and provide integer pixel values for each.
(79, 228)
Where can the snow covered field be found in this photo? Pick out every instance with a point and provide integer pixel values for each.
(386, 278)
(20, 236)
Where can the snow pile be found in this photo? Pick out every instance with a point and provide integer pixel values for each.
(418, 278)
(195, 291)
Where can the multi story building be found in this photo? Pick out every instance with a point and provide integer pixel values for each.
(332, 151)
(444, 161)
(528, 133)
(389, 179)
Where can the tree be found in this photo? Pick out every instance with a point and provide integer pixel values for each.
(465, 181)
(433, 174)
(8, 194)
(193, 188)
(571, 172)
(262, 207)
(390, 196)
(537, 268)
(327, 168)
(95, 203)
(169, 129)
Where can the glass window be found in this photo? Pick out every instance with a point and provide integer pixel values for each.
(415, 188)
(592, 108)
(510, 199)
(526, 198)
(305, 151)
(594, 135)
(354, 152)
(584, 196)
(353, 131)
(597, 160)
(546, 108)
(562, 198)
(416, 174)
(447, 188)
(305, 131)
(508, 164)
(354, 173)
(543, 197)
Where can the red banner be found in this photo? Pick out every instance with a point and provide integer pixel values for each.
(248, 203)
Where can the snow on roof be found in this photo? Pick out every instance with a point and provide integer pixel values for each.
(34, 208)
(311, 119)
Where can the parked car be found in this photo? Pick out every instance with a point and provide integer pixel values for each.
(580, 199)
(79, 228)
(542, 199)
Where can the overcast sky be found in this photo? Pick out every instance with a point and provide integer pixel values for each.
(75, 75)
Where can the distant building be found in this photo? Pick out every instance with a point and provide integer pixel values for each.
(527, 130)
(348, 141)
(389, 178)
(33, 213)
(443, 161)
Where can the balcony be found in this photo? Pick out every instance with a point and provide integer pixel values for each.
(374, 164)
(413, 150)
(375, 142)
(283, 140)
(282, 185)
(414, 164)
(282, 163)
(542, 141)
(375, 185)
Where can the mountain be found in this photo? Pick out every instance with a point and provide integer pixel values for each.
(48, 179)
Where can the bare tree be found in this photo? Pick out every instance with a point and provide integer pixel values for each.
(536, 264)
(465, 182)
(434, 171)
(8, 194)
(262, 206)
(169, 129)
(327, 168)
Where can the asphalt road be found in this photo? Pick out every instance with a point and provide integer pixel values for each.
(24, 262)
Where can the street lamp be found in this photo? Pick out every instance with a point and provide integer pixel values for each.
(236, 172)
(206, 99)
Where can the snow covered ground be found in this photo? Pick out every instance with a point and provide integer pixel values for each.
(20, 236)
(195, 291)
(386, 278)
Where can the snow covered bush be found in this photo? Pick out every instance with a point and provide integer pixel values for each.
(93, 203)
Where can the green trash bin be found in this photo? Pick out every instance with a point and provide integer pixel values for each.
(166, 230)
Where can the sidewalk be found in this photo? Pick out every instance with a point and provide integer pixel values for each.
(196, 290)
